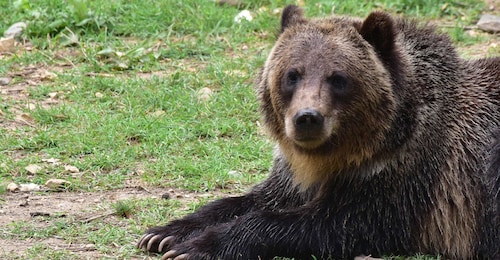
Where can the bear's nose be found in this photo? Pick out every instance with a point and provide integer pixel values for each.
(309, 120)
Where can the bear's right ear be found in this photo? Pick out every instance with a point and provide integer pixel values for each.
(292, 15)
(378, 30)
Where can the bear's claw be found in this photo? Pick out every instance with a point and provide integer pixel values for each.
(163, 242)
(152, 241)
(149, 241)
(143, 241)
(172, 254)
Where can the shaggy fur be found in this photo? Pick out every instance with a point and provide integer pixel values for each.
(385, 146)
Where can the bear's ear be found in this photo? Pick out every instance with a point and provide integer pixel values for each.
(292, 15)
(378, 30)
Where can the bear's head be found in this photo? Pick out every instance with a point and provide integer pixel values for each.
(326, 91)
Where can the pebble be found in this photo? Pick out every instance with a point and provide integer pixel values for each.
(15, 30)
(204, 94)
(7, 45)
(29, 187)
(4, 81)
(235, 173)
(12, 187)
(165, 196)
(57, 184)
(489, 23)
(243, 15)
(33, 168)
(71, 168)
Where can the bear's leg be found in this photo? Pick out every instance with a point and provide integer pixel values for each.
(299, 233)
(276, 193)
(159, 239)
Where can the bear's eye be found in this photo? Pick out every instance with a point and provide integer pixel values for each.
(339, 83)
(290, 80)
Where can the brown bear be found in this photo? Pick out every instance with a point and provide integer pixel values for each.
(385, 146)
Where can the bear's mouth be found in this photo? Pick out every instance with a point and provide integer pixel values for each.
(315, 146)
(307, 139)
(308, 143)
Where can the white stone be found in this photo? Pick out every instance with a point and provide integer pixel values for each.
(15, 30)
(243, 15)
(489, 23)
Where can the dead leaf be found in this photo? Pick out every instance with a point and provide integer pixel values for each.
(25, 119)
(158, 113)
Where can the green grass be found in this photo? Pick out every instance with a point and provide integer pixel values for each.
(125, 77)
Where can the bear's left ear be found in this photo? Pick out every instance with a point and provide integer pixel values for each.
(378, 30)
(291, 15)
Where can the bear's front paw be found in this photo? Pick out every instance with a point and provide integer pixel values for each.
(206, 246)
(157, 240)
(187, 251)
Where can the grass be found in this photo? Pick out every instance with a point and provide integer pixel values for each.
(112, 88)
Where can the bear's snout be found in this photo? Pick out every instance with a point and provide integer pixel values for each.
(308, 123)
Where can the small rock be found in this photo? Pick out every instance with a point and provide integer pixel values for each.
(29, 187)
(489, 23)
(4, 81)
(71, 168)
(15, 30)
(52, 161)
(47, 75)
(25, 201)
(57, 184)
(12, 187)
(235, 173)
(89, 247)
(7, 45)
(33, 168)
(99, 95)
(243, 15)
(204, 94)
(165, 196)
(31, 106)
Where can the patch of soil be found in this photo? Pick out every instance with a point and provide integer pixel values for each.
(44, 209)
(20, 80)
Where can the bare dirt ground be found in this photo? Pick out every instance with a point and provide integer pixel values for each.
(44, 209)
(35, 208)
